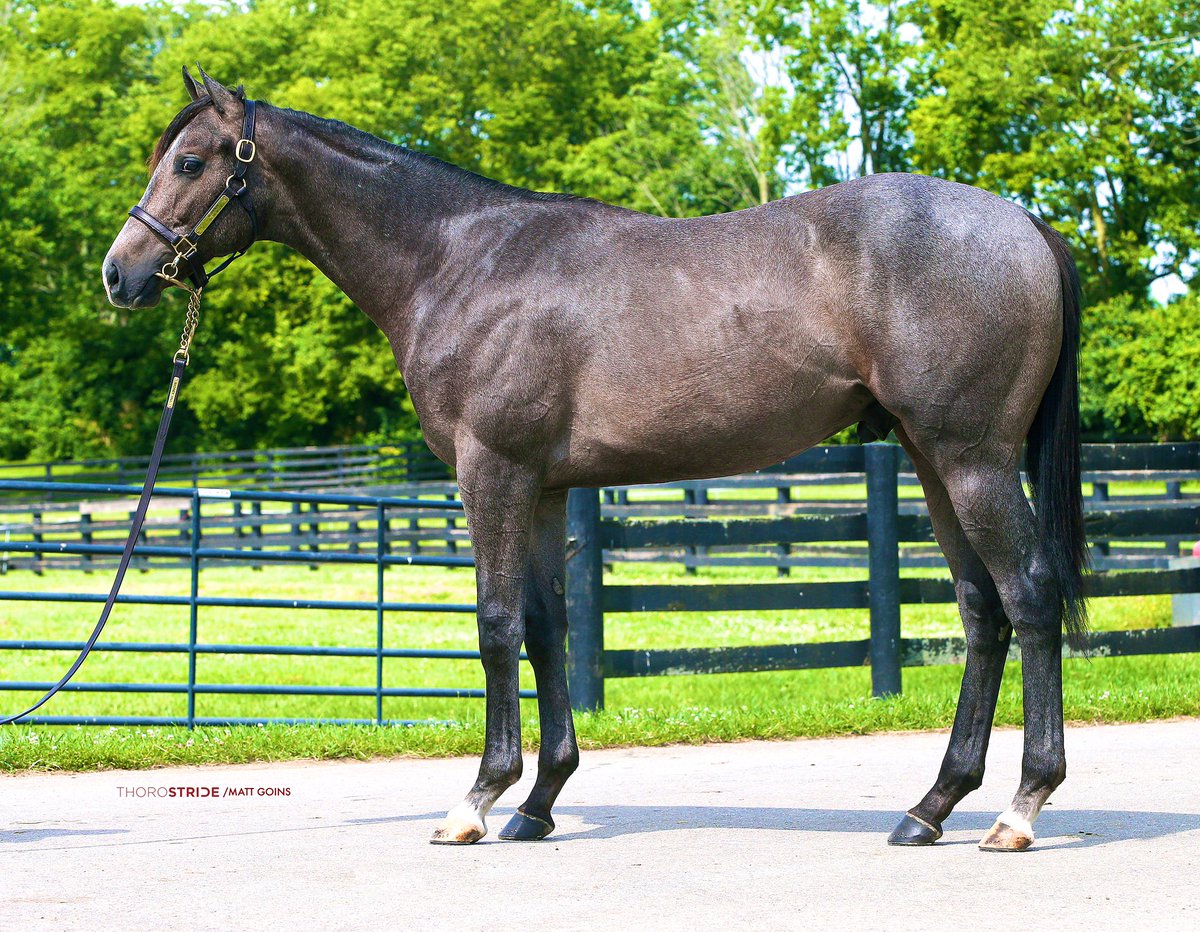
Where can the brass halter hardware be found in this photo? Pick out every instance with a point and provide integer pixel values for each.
(185, 245)
(190, 320)
(186, 261)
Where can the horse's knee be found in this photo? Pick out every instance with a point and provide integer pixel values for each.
(499, 639)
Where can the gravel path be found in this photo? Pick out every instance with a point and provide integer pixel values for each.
(762, 833)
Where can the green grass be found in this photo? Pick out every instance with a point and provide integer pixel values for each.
(645, 711)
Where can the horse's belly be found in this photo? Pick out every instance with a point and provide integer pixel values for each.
(703, 423)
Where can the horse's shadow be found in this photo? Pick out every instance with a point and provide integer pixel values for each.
(1068, 828)
(41, 834)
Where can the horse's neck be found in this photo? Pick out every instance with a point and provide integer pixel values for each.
(374, 225)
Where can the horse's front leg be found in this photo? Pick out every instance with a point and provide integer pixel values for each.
(545, 642)
(499, 498)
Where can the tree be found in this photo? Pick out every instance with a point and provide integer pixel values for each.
(699, 130)
(1086, 113)
(1140, 369)
(856, 70)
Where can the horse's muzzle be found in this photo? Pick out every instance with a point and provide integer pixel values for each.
(137, 290)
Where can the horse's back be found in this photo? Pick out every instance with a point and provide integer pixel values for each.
(657, 349)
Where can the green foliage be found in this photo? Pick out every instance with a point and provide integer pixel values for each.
(677, 107)
(1140, 369)
(1086, 111)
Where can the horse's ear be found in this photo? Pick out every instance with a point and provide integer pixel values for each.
(222, 97)
(194, 90)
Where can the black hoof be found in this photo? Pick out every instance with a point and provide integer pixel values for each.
(522, 827)
(914, 832)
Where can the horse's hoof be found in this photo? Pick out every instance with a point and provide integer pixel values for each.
(524, 827)
(463, 825)
(914, 832)
(1005, 837)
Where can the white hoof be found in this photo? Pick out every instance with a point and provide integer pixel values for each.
(1011, 832)
(463, 825)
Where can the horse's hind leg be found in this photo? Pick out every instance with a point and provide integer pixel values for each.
(1000, 525)
(988, 633)
(545, 642)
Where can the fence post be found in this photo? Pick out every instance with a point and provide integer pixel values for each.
(256, 513)
(295, 527)
(314, 531)
(1100, 494)
(451, 524)
(783, 495)
(689, 566)
(39, 557)
(380, 544)
(1174, 492)
(883, 559)
(193, 609)
(142, 563)
(86, 535)
(585, 609)
(239, 529)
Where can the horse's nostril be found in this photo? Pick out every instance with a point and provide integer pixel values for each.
(112, 274)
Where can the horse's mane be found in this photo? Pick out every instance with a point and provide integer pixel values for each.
(356, 142)
(353, 141)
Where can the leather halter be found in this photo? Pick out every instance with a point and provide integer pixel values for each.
(186, 245)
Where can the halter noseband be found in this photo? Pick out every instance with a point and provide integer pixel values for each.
(185, 245)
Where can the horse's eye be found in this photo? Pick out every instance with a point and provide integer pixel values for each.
(190, 165)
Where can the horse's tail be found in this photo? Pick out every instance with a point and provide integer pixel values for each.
(1053, 454)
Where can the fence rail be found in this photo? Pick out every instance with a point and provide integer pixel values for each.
(337, 467)
(383, 513)
(825, 483)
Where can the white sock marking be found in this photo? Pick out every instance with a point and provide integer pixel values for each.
(1017, 822)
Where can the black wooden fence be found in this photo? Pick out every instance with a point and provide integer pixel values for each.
(885, 528)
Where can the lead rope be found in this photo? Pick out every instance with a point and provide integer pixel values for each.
(180, 361)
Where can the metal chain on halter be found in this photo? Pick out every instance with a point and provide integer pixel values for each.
(190, 321)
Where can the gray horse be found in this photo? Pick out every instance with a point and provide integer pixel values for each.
(551, 341)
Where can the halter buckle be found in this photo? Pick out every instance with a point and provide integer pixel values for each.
(237, 152)
(180, 252)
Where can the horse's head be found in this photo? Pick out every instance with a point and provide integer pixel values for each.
(196, 159)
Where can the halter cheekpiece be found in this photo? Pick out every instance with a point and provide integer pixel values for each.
(186, 245)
